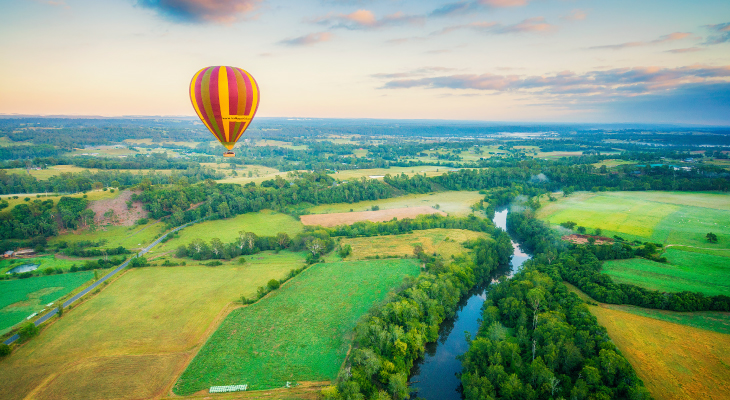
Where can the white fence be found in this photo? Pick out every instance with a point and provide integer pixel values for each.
(229, 388)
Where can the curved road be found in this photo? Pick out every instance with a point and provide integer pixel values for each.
(93, 286)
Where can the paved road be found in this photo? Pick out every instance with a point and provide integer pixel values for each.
(81, 294)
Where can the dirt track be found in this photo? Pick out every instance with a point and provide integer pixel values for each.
(329, 220)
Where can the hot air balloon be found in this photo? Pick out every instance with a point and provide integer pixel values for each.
(226, 100)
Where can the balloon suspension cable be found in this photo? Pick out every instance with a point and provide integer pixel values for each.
(229, 154)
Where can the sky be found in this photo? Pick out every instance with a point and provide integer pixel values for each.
(602, 61)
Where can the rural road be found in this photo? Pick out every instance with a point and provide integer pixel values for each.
(93, 286)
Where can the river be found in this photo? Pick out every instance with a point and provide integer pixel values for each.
(434, 377)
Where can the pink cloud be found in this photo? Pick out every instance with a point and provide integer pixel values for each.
(575, 15)
(672, 37)
(503, 3)
(216, 11)
(308, 40)
(365, 19)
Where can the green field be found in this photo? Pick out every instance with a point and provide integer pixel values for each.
(679, 220)
(21, 297)
(709, 320)
(262, 223)
(706, 274)
(299, 332)
(135, 337)
(429, 170)
(92, 195)
(131, 237)
(453, 203)
(446, 242)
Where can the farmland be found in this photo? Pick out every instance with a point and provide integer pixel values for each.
(22, 297)
(678, 220)
(674, 361)
(453, 203)
(334, 219)
(701, 273)
(131, 340)
(262, 223)
(131, 237)
(699, 360)
(297, 333)
(446, 242)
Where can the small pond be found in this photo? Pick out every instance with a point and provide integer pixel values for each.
(23, 268)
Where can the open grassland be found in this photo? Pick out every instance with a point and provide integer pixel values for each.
(453, 203)
(134, 338)
(610, 163)
(429, 170)
(679, 220)
(164, 142)
(707, 274)
(708, 320)
(262, 223)
(279, 143)
(258, 174)
(92, 195)
(348, 218)
(45, 261)
(43, 174)
(297, 333)
(664, 217)
(131, 237)
(21, 297)
(446, 242)
(674, 361)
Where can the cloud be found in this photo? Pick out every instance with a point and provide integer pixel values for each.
(412, 73)
(464, 7)
(672, 37)
(56, 3)
(365, 19)
(721, 33)
(530, 25)
(308, 40)
(575, 15)
(197, 11)
(685, 50)
(599, 84)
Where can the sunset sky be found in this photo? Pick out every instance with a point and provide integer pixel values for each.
(496, 60)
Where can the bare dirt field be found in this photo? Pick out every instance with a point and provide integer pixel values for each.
(121, 215)
(329, 220)
(583, 239)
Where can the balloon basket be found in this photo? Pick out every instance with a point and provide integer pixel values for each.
(229, 154)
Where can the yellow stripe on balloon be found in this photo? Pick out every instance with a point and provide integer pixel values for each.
(223, 96)
(194, 100)
(255, 97)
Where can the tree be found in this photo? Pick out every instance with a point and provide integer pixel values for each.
(273, 284)
(582, 230)
(711, 237)
(598, 231)
(315, 246)
(28, 331)
(4, 349)
(216, 245)
(60, 311)
(282, 239)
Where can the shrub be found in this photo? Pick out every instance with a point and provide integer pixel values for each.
(28, 331)
(213, 263)
(4, 349)
(273, 284)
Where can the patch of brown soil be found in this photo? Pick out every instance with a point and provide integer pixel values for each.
(334, 219)
(115, 212)
(583, 239)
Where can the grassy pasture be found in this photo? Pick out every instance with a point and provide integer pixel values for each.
(453, 203)
(92, 195)
(21, 297)
(680, 218)
(349, 218)
(446, 242)
(678, 355)
(259, 173)
(674, 361)
(429, 170)
(262, 223)
(131, 340)
(706, 274)
(299, 332)
(131, 237)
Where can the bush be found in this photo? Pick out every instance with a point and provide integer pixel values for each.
(28, 331)
(214, 263)
(142, 221)
(242, 260)
(273, 284)
(4, 349)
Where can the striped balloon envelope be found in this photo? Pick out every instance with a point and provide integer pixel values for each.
(226, 100)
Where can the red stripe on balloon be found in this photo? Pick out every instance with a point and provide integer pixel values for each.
(232, 100)
(215, 101)
(249, 94)
(199, 97)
